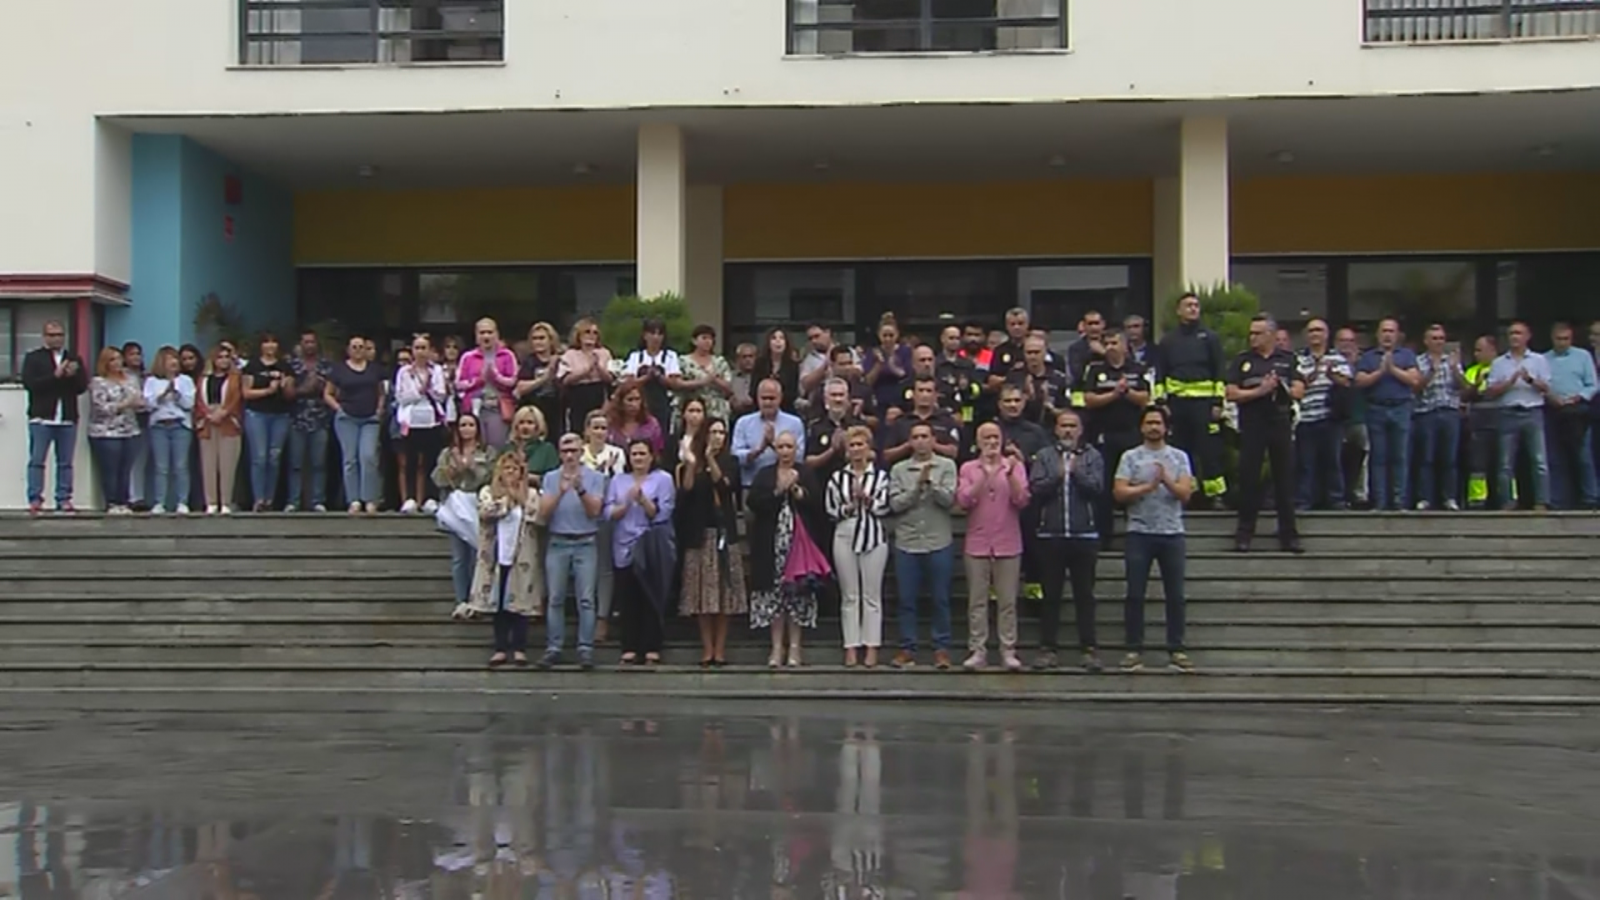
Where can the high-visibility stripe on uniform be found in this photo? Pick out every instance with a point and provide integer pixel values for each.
(1193, 390)
(1214, 487)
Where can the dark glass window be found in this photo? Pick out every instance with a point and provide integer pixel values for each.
(901, 26)
(313, 32)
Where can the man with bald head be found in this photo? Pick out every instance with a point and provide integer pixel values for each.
(754, 433)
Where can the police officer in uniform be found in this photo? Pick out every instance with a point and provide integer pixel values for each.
(1046, 389)
(1191, 367)
(1265, 382)
(1114, 392)
(957, 374)
(923, 366)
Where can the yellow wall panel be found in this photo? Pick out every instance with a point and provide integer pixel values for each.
(865, 220)
(1416, 213)
(522, 224)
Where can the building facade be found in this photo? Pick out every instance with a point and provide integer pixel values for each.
(401, 165)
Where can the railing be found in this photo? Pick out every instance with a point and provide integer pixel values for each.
(841, 27)
(394, 32)
(1445, 21)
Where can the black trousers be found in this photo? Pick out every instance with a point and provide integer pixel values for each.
(1112, 446)
(639, 623)
(1061, 558)
(1271, 439)
(510, 629)
(1197, 434)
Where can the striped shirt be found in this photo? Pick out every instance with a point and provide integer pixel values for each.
(1318, 372)
(867, 519)
(1438, 385)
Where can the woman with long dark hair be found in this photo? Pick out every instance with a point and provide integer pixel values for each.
(640, 503)
(653, 366)
(705, 376)
(583, 373)
(463, 466)
(713, 572)
(776, 360)
(268, 401)
(422, 400)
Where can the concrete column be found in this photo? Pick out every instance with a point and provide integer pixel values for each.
(1190, 245)
(703, 279)
(662, 237)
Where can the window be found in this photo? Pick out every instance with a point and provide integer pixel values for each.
(1291, 292)
(22, 331)
(1416, 292)
(1411, 22)
(759, 297)
(837, 27)
(313, 32)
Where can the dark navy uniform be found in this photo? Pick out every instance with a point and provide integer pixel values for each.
(1190, 364)
(1266, 428)
(1113, 428)
(905, 397)
(1044, 393)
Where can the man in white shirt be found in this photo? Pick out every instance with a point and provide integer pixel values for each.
(55, 377)
(1519, 383)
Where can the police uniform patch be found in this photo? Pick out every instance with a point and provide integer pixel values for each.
(1103, 377)
(1245, 367)
(823, 440)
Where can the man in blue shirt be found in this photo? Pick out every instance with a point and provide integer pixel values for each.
(570, 508)
(1519, 383)
(1572, 389)
(1388, 377)
(754, 433)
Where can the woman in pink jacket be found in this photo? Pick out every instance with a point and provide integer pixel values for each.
(484, 387)
(993, 489)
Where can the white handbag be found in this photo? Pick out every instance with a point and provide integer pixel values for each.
(458, 515)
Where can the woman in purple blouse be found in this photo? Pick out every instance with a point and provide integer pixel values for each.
(640, 503)
(631, 420)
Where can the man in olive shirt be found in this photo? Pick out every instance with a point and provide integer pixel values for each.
(1264, 382)
(922, 491)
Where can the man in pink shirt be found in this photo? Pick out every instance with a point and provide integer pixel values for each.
(993, 489)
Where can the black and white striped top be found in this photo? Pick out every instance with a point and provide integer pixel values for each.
(871, 532)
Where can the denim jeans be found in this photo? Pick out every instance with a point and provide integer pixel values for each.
(358, 449)
(308, 459)
(1523, 428)
(576, 558)
(114, 457)
(1440, 449)
(1572, 476)
(909, 571)
(463, 560)
(141, 468)
(1389, 431)
(1169, 551)
(264, 436)
(41, 437)
(169, 446)
(1317, 445)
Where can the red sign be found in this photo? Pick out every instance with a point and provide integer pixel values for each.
(227, 228)
(232, 190)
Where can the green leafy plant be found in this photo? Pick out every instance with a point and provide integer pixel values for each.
(331, 335)
(1227, 310)
(622, 318)
(216, 320)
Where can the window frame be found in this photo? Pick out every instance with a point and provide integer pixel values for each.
(8, 313)
(925, 24)
(265, 41)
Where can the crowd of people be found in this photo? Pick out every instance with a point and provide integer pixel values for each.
(759, 486)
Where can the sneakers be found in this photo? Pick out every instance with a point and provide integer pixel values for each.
(941, 660)
(35, 507)
(1423, 506)
(976, 661)
(586, 660)
(1010, 660)
(355, 509)
(1132, 662)
(158, 510)
(1091, 662)
(66, 507)
(292, 508)
(226, 510)
(904, 660)
(1452, 506)
(211, 510)
(183, 509)
(408, 507)
(431, 507)
(319, 507)
(1045, 660)
(550, 659)
(1179, 661)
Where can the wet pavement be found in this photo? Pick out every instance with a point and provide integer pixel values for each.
(801, 801)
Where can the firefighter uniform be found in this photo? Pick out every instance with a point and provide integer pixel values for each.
(1113, 428)
(1045, 393)
(1266, 428)
(1483, 430)
(959, 379)
(1191, 369)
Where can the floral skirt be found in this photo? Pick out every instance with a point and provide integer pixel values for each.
(798, 601)
(711, 585)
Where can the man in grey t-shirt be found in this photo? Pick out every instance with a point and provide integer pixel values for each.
(1154, 481)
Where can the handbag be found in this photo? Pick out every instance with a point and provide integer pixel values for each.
(458, 516)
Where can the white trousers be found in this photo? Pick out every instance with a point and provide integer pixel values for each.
(860, 588)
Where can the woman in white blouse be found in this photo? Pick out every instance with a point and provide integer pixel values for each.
(422, 399)
(169, 395)
(857, 498)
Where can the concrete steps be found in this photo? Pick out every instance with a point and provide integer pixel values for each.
(1385, 607)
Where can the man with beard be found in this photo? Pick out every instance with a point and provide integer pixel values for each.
(1114, 391)
(842, 366)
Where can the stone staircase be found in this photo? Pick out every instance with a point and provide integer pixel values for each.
(1500, 608)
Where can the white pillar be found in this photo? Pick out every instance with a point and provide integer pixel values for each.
(703, 278)
(1203, 201)
(662, 237)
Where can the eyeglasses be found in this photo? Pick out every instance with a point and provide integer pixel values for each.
(571, 450)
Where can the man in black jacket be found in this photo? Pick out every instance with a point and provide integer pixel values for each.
(1066, 482)
(54, 377)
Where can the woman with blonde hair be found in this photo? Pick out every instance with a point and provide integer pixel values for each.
(508, 582)
(536, 378)
(218, 420)
(116, 397)
(583, 373)
(610, 461)
(528, 440)
(170, 395)
(858, 500)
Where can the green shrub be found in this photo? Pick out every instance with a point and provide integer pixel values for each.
(622, 318)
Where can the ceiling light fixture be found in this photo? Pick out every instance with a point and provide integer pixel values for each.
(1283, 157)
(821, 165)
(366, 171)
(1545, 150)
(1058, 161)
(581, 169)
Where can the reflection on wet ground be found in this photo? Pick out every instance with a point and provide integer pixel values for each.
(853, 803)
